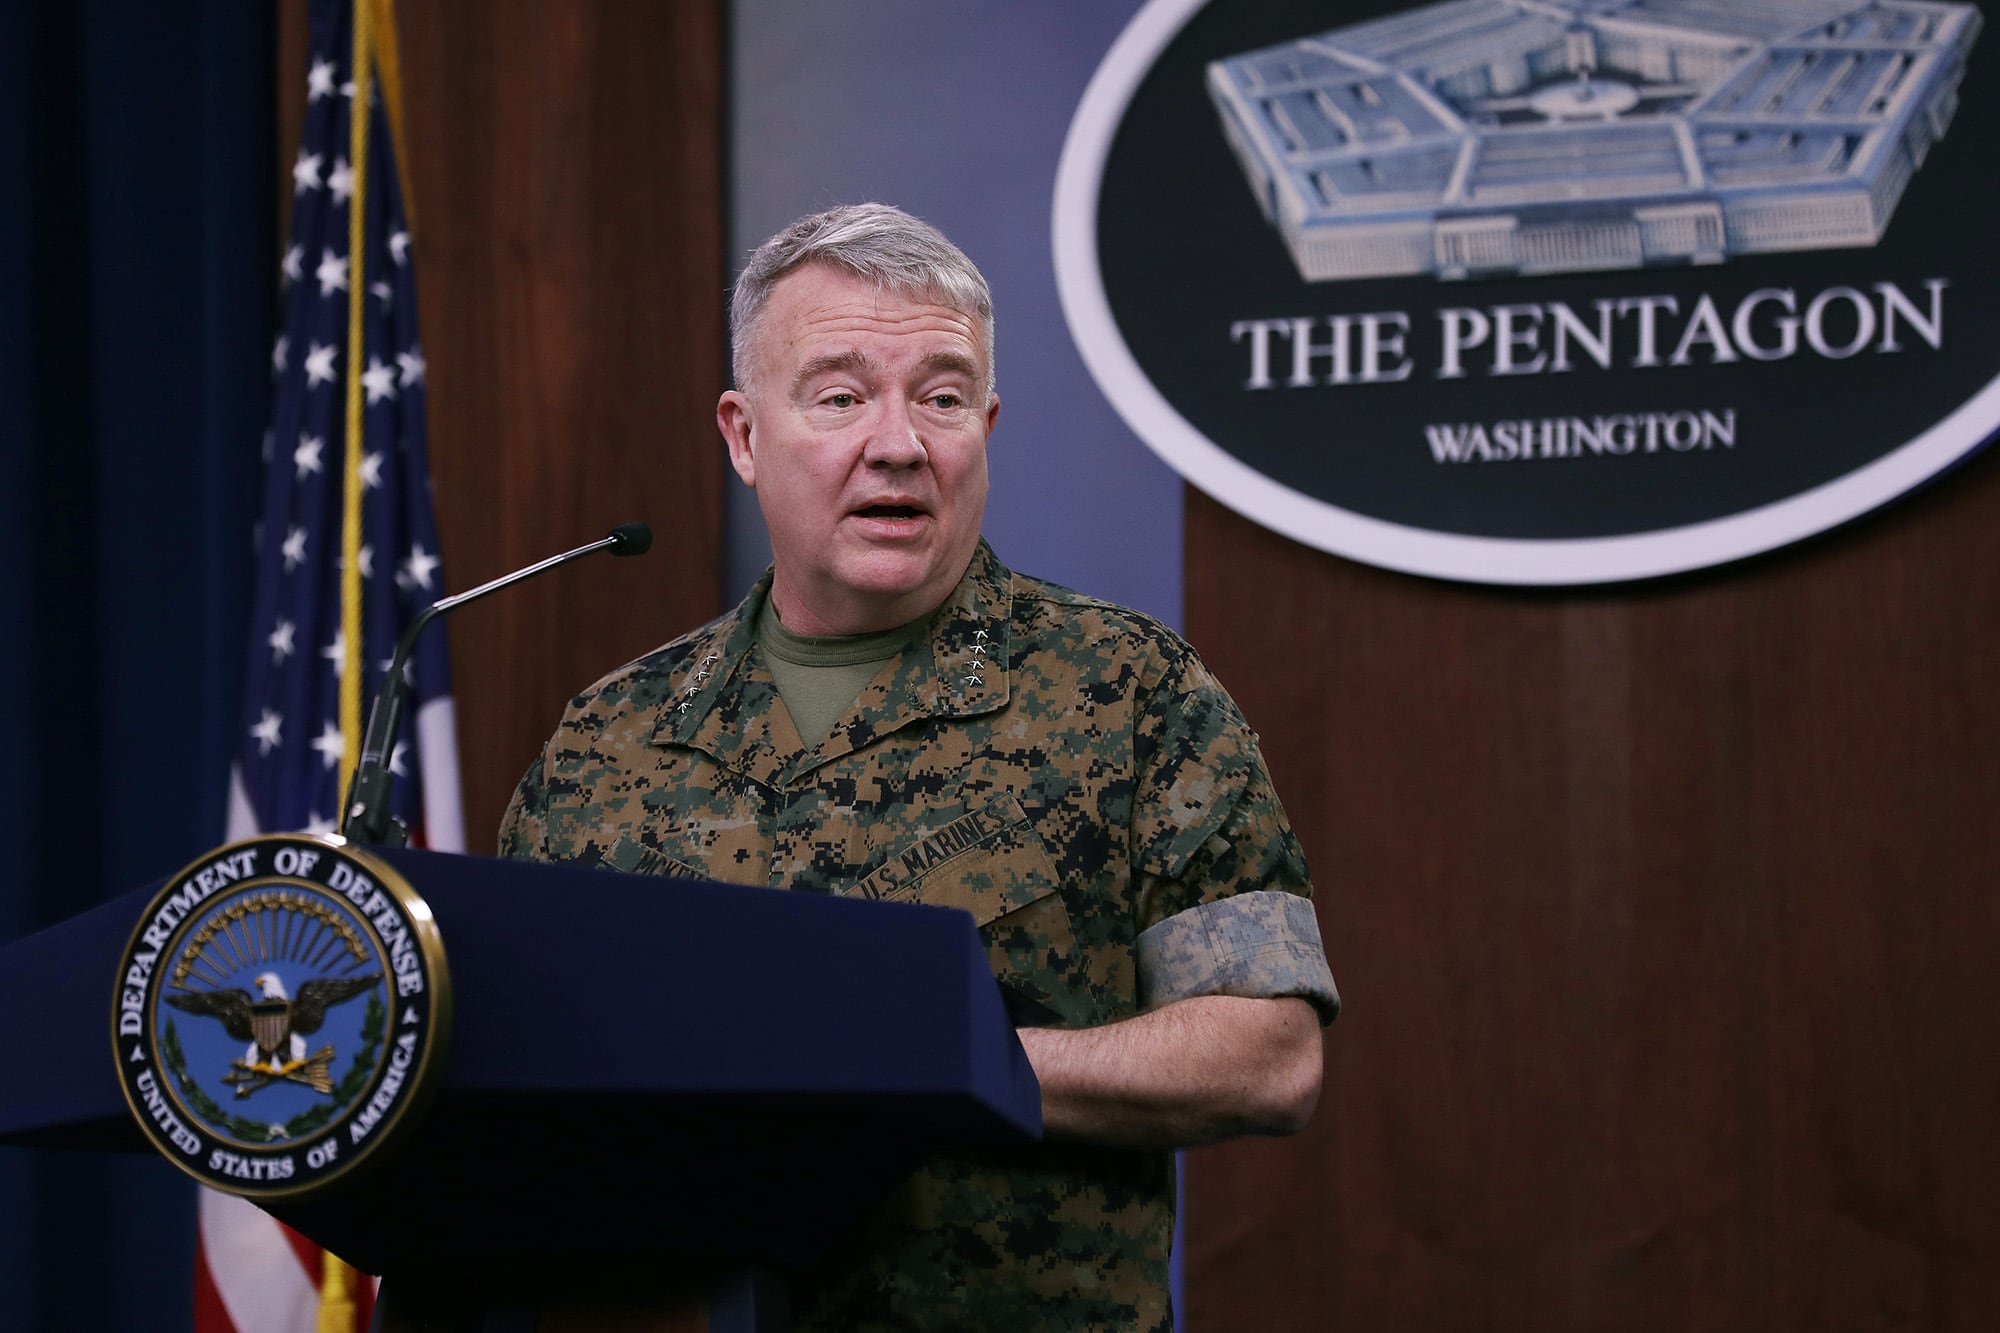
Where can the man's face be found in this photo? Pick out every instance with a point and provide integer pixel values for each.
(864, 435)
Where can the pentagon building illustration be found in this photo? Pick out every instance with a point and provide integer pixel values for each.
(1486, 137)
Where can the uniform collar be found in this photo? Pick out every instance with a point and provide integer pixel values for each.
(726, 704)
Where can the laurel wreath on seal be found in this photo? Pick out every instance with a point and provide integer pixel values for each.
(252, 1131)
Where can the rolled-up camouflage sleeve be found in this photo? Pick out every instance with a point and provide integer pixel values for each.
(1257, 945)
(524, 828)
(1224, 900)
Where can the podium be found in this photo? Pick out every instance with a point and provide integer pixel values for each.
(709, 1078)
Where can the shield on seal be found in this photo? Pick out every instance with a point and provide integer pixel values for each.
(270, 1024)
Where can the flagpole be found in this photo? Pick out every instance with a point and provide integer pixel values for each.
(336, 1300)
(350, 512)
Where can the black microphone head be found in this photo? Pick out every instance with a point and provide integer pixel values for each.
(631, 539)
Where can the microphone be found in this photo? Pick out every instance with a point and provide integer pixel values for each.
(368, 819)
(625, 539)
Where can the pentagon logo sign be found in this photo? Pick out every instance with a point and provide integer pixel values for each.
(1542, 291)
(280, 1013)
(1574, 134)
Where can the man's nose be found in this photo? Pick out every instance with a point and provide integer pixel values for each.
(895, 440)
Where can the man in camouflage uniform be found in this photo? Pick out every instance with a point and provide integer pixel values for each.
(1064, 769)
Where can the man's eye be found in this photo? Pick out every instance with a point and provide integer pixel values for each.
(840, 400)
(944, 400)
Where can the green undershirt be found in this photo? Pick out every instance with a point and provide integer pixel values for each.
(820, 676)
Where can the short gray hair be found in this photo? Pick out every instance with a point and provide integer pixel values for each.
(877, 243)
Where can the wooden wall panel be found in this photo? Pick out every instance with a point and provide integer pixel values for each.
(1665, 918)
(565, 163)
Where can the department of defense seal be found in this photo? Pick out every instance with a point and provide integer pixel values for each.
(280, 1012)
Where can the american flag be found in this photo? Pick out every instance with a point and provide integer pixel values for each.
(254, 1275)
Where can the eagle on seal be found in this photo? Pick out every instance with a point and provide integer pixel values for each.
(275, 1025)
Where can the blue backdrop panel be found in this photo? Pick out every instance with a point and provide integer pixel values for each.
(959, 115)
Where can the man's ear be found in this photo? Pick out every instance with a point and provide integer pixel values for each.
(733, 419)
(992, 411)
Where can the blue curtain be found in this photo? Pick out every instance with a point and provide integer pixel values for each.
(137, 257)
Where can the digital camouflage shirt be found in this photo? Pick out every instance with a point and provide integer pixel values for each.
(1065, 770)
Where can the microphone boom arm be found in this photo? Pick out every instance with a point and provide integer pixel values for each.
(367, 818)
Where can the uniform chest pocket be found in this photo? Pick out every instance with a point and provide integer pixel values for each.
(991, 863)
(636, 858)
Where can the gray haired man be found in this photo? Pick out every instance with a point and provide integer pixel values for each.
(890, 681)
